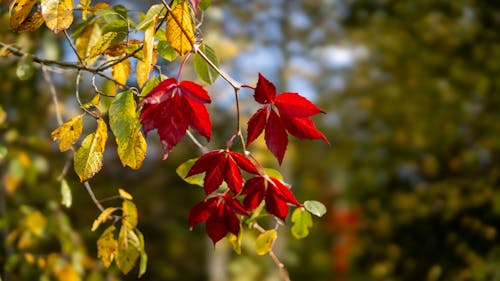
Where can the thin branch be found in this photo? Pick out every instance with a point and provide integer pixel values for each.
(202, 148)
(53, 92)
(283, 271)
(92, 196)
(68, 38)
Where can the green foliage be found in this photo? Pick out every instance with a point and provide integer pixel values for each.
(302, 221)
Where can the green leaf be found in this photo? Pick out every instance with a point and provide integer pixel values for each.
(265, 241)
(149, 85)
(103, 216)
(143, 258)
(107, 246)
(128, 249)
(129, 214)
(302, 221)
(155, 10)
(203, 69)
(183, 170)
(315, 207)
(88, 158)
(66, 197)
(204, 4)
(274, 173)
(25, 68)
(125, 125)
(166, 51)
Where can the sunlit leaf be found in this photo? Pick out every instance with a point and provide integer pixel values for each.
(302, 221)
(88, 158)
(66, 273)
(68, 133)
(58, 14)
(19, 11)
(125, 125)
(124, 194)
(128, 249)
(147, 51)
(274, 173)
(183, 170)
(66, 197)
(235, 241)
(315, 207)
(107, 246)
(203, 69)
(129, 214)
(103, 216)
(102, 44)
(265, 241)
(121, 71)
(179, 30)
(85, 42)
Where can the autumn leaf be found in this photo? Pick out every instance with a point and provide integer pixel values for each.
(264, 242)
(282, 114)
(129, 214)
(219, 213)
(19, 11)
(302, 221)
(179, 31)
(88, 158)
(121, 71)
(172, 107)
(86, 42)
(58, 14)
(275, 194)
(103, 216)
(147, 51)
(124, 124)
(102, 44)
(32, 23)
(128, 249)
(107, 246)
(68, 133)
(222, 165)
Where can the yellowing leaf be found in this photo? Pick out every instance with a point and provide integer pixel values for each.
(103, 216)
(124, 123)
(179, 30)
(19, 11)
(88, 158)
(265, 241)
(58, 14)
(143, 262)
(235, 241)
(86, 41)
(183, 170)
(128, 249)
(67, 273)
(121, 71)
(107, 246)
(35, 223)
(124, 194)
(129, 214)
(32, 23)
(66, 197)
(102, 44)
(68, 133)
(145, 66)
(302, 221)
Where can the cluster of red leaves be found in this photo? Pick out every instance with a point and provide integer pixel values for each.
(172, 107)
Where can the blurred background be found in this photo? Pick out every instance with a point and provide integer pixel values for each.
(411, 180)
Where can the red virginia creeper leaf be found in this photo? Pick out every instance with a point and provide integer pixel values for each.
(222, 165)
(289, 112)
(172, 107)
(220, 214)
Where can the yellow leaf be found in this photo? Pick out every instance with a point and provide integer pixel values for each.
(265, 241)
(235, 241)
(124, 194)
(145, 65)
(88, 158)
(120, 49)
(129, 214)
(179, 30)
(35, 223)
(58, 14)
(32, 23)
(128, 249)
(102, 44)
(103, 216)
(84, 43)
(121, 71)
(124, 123)
(19, 11)
(67, 273)
(107, 246)
(68, 133)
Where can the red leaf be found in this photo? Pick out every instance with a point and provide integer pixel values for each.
(294, 112)
(220, 215)
(256, 124)
(276, 137)
(219, 166)
(265, 92)
(171, 107)
(276, 195)
(295, 105)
